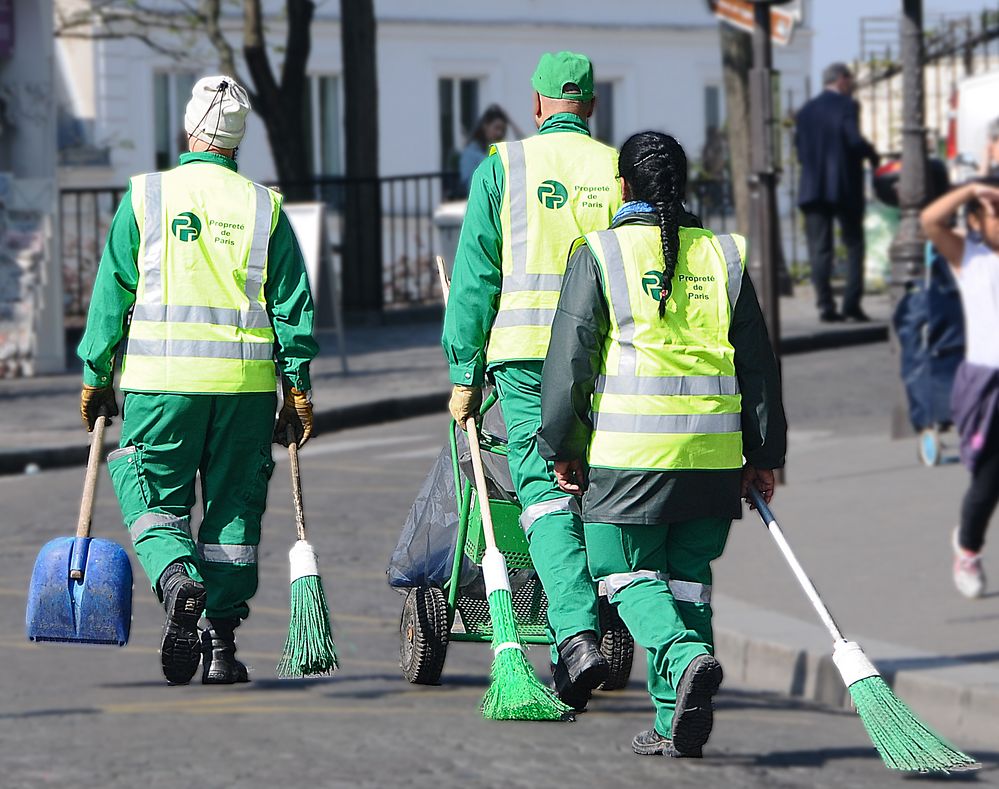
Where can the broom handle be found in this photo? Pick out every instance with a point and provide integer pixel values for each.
(90, 481)
(473, 443)
(296, 483)
(480, 483)
(766, 514)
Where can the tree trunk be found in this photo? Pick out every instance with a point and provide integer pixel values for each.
(362, 220)
(737, 60)
(280, 105)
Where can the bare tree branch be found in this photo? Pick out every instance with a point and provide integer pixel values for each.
(210, 12)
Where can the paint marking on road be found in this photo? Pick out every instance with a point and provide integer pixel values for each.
(354, 444)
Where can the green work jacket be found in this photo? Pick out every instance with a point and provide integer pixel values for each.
(581, 324)
(477, 278)
(289, 299)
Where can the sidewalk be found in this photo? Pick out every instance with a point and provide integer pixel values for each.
(395, 371)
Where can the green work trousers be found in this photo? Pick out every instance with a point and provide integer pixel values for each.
(550, 517)
(659, 578)
(166, 441)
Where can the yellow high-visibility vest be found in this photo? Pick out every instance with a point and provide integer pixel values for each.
(557, 188)
(200, 322)
(668, 397)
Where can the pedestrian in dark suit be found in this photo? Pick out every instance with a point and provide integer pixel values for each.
(832, 151)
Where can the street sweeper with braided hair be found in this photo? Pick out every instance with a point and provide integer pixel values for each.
(659, 380)
(208, 265)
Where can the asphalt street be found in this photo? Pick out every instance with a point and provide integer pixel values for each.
(99, 717)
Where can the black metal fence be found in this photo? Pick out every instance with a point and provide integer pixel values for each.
(409, 275)
(408, 203)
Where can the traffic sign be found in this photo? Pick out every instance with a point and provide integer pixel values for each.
(739, 13)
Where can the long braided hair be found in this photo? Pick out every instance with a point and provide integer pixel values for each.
(655, 167)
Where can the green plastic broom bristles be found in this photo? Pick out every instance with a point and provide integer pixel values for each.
(515, 692)
(309, 649)
(904, 741)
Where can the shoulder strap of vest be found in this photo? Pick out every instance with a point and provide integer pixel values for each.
(733, 261)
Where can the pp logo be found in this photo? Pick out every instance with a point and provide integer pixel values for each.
(186, 226)
(552, 194)
(654, 282)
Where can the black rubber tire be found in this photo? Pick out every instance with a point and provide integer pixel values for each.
(423, 635)
(617, 646)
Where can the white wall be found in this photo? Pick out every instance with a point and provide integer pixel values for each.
(659, 53)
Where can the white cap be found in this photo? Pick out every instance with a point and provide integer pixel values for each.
(216, 113)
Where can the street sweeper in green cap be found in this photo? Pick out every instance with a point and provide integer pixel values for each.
(527, 202)
(208, 266)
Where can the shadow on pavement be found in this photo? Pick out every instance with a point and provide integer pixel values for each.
(936, 661)
(53, 713)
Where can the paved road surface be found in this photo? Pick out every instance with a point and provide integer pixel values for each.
(103, 718)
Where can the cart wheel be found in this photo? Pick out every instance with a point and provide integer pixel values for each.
(929, 447)
(617, 646)
(423, 635)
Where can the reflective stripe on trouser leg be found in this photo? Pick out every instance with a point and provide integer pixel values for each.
(158, 520)
(538, 510)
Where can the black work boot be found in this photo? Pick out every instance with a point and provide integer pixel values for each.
(184, 601)
(652, 743)
(218, 654)
(694, 714)
(581, 668)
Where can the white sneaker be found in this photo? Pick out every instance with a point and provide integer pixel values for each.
(969, 578)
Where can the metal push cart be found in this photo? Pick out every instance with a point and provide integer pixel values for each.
(434, 616)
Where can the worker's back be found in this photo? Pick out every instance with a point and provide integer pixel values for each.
(200, 321)
(558, 187)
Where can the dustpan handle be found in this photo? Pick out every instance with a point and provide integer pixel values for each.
(296, 483)
(770, 521)
(90, 481)
(480, 482)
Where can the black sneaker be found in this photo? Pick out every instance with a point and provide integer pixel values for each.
(652, 743)
(694, 714)
(830, 316)
(856, 316)
(184, 601)
(581, 669)
(218, 654)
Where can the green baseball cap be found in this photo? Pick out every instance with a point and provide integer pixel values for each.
(556, 70)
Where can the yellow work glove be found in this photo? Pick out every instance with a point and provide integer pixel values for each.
(465, 402)
(296, 412)
(97, 401)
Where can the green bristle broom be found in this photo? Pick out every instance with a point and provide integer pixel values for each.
(309, 649)
(515, 692)
(902, 739)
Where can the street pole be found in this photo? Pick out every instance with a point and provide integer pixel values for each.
(908, 250)
(764, 257)
(764, 249)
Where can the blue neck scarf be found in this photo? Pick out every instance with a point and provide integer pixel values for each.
(633, 207)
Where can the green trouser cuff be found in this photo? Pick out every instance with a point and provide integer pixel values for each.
(659, 579)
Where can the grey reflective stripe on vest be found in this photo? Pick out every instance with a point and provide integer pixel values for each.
(258, 248)
(617, 282)
(149, 520)
(536, 511)
(733, 261)
(517, 180)
(204, 349)
(227, 554)
(152, 231)
(615, 582)
(690, 592)
(667, 423)
(218, 316)
(523, 317)
(668, 385)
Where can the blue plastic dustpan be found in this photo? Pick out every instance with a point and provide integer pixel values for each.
(81, 587)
